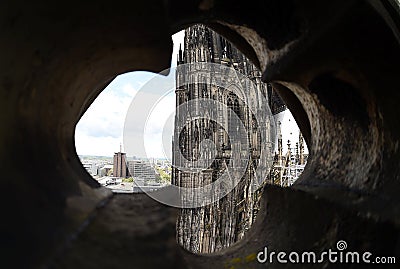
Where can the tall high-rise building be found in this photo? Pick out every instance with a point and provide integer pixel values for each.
(119, 168)
(217, 226)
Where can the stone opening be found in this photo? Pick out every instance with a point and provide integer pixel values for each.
(56, 59)
(231, 217)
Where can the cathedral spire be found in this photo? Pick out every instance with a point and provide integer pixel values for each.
(180, 54)
(301, 145)
(280, 150)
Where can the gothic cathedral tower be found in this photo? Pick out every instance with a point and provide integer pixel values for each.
(214, 227)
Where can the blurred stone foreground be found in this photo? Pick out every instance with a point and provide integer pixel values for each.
(334, 63)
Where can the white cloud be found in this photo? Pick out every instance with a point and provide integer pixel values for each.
(97, 146)
(99, 131)
(129, 90)
(159, 128)
(103, 118)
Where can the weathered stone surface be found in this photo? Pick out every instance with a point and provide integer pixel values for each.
(56, 57)
(131, 231)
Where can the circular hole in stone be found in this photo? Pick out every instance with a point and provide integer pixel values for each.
(101, 146)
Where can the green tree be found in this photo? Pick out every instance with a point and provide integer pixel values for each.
(129, 179)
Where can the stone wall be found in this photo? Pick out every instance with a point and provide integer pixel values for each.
(335, 63)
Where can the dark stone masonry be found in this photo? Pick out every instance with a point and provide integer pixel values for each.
(334, 63)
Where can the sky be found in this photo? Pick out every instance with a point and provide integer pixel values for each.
(100, 130)
(289, 129)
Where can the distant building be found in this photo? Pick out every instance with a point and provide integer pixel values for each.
(104, 171)
(119, 168)
(288, 167)
(141, 185)
(142, 170)
(90, 167)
